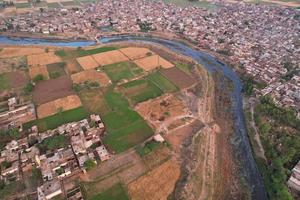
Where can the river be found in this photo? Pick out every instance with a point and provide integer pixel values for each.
(241, 141)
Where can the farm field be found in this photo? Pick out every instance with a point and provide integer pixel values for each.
(87, 62)
(122, 70)
(140, 90)
(153, 62)
(58, 105)
(56, 70)
(52, 89)
(134, 53)
(109, 57)
(65, 54)
(160, 81)
(10, 52)
(116, 192)
(178, 77)
(38, 70)
(4, 82)
(42, 59)
(91, 75)
(58, 119)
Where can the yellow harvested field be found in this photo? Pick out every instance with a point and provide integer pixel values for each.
(36, 70)
(61, 104)
(134, 53)
(9, 52)
(152, 62)
(157, 184)
(87, 62)
(109, 57)
(91, 75)
(42, 59)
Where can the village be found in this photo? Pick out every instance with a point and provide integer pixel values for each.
(261, 40)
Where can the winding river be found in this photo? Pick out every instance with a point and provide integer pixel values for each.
(244, 153)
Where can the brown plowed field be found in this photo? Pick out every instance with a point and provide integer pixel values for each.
(73, 66)
(36, 70)
(152, 62)
(178, 77)
(52, 89)
(134, 53)
(157, 184)
(61, 104)
(9, 52)
(87, 62)
(17, 79)
(42, 59)
(161, 109)
(91, 75)
(109, 57)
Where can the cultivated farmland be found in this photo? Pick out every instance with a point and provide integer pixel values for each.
(91, 75)
(9, 52)
(109, 57)
(134, 53)
(153, 62)
(178, 77)
(42, 59)
(87, 62)
(38, 70)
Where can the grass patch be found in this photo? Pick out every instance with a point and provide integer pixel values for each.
(116, 192)
(70, 3)
(52, 143)
(4, 82)
(56, 69)
(147, 148)
(164, 84)
(58, 119)
(53, 5)
(11, 189)
(185, 67)
(122, 70)
(93, 101)
(140, 90)
(79, 52)
(23, 5)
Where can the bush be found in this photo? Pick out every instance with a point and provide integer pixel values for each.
(89, 164)
(28, 88)
(38, 78)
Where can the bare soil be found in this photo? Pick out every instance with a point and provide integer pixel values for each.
(91, 75)
(36, 70)
(153, 62)
(134, 53)
(178, 77)
(87, 62)
(17, 79)
(42, 59)
(9, 52)
(109, 57)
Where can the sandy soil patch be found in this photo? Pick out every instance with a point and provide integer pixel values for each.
(87, 62)
(134, 53)
(157, 184)
(52, 89)
(9, 52)
(58, 105)
(152, 62)
(91, 75)
(178, 77)
(36, 70)
(161, 109)
(42, 59)
(109, 57)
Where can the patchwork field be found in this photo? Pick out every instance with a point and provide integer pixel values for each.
(87, 62)
(122, 70)
(38, 70)
(72, 66)
(156, 184)
(116, 192)
(52, 89)
(178, 77)
(91, 75)
(9, 52)
(42, 59)
(56, 69)
(153, 62)
(134, 53)
(109, 57)
(140, 90)
(58, 105)
(160, 81)
(161, 109)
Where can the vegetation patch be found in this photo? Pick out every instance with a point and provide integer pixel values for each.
(4, 82)
(58, 119)
(160, 81)
(56, 70)
(52, 143)
(148, 147)
(122, 70)
(185, 67)
(140, 90)
(79, 52)
(116, 192)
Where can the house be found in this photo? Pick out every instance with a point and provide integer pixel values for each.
(294, 180)
(49, 190)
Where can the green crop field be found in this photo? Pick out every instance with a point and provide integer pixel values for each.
(140, 90)
(70, 3)
(53, 5)
(58, 119)
(4, 82)
(116, 192)
(56, 69)
(185, 67)
(81, 52)
(160, 81)
(126, 128)
(23, 5)
(122, 70)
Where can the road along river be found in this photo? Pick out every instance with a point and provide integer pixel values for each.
(241, 141)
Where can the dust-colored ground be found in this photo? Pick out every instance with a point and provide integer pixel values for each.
(153, 62)
(109, 57)
(17, 79)
(178, 77)
(91, 75)
(73, 66)
(87, 62)
(11, 64)
(9, 52)
(52, 89)
(42, 59)
(156, 184)
(58, 105)
(134, 53)
(36, 70)
(162, 109)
